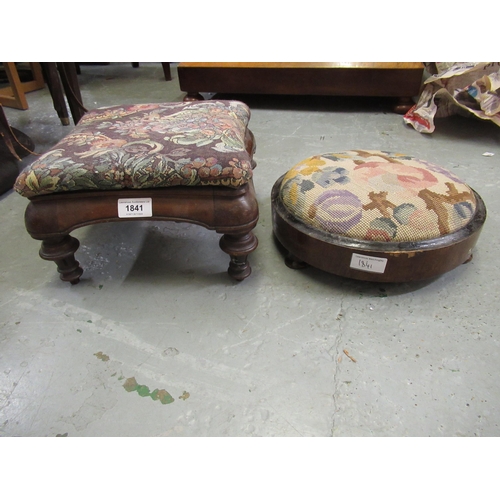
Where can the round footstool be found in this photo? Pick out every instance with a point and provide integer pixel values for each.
(375, 216)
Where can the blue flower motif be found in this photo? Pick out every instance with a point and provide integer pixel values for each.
(464, 209)
(328, 177)
(306, 186)
(403, 212)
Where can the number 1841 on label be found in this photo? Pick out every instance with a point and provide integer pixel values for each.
(368, 263)
(135, 207)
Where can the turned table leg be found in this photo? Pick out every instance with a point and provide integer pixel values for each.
(238, 246)
(62, 250)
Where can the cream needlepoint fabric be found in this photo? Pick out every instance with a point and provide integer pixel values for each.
(377, 196)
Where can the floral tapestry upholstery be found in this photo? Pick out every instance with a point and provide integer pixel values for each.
(377, 196)
(147, 146)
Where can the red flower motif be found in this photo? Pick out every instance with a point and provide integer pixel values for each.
(377, 235)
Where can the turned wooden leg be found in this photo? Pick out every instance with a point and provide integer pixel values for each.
(238, 246)
(166, 71)
(71, 86)
(62, 252)
(56, 91)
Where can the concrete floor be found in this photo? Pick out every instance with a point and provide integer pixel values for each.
(264, 357)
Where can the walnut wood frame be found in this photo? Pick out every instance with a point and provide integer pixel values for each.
(406, 261)
(230, 212)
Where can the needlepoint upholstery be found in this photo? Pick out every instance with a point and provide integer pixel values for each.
(145, 146)
(377, 196)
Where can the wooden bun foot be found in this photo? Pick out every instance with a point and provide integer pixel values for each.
(62, 252)
(238, 247)
(294, 263)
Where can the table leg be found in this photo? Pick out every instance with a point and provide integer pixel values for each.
(56, 91)
(71, 87)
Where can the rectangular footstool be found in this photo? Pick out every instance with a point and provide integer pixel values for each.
(184, 162)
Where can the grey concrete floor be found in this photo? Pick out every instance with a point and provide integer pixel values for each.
(264, 357)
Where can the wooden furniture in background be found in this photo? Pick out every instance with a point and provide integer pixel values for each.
(14, 145)
(62, 80)
(401, 80)
(166, 69)
(13, 96)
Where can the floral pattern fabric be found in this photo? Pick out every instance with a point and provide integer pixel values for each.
(147, 146)
(377, 196)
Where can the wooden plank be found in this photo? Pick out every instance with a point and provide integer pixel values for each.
(373, 65)
(346, 79)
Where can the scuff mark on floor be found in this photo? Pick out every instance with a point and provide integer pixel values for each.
(346, 352)
(101, 355)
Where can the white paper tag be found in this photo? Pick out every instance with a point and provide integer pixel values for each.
(368, 264)
(135, 207)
